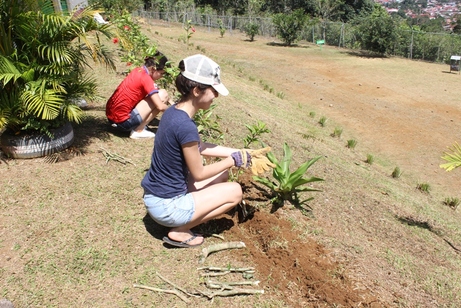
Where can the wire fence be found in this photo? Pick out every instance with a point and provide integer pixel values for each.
(409, 43)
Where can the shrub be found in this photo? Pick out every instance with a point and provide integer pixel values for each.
(289, 26)
(42, 66)
(251, 29)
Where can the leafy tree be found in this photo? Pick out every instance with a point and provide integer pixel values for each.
(351, 9)
(376, 32)
(433, 25)
(118, 6)
(289, 26)
(277, 6)
(329, 9)
(251, 29)
(457, 25)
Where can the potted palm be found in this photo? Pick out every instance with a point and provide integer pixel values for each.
(43, 61)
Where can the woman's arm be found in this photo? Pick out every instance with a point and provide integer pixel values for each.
(195, 164)
(209, 149)
(156, 101)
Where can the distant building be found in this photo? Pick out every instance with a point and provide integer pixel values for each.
(64, 5)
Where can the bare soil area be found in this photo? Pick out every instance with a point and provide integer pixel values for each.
(74, 233)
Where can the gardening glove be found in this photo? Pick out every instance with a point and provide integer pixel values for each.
(241, 158)
(259, 161)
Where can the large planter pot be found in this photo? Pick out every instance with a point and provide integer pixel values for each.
(31, 146)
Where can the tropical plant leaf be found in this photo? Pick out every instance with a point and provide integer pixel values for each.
(289, 184)
(454, 158)
(42, 102)
(265, 182)
(295, 179)
(303, 181)
(286, 161)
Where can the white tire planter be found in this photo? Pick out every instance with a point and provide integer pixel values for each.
(37, 145)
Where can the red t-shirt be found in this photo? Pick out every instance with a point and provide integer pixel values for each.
(134, 88)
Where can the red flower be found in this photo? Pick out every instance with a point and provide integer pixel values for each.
(128, 64)
(115, 40)
(192, 29)
(126, 28)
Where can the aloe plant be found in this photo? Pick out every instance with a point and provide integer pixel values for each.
(287, 185)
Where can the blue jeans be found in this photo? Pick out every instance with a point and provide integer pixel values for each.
(128, 125)
(174, 212)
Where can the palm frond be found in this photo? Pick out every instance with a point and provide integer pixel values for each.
(454, 158)
(8, 71)
(43, 102)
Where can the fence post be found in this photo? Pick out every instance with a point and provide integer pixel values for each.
(411, 44)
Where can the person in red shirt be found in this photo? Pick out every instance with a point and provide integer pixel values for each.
(138, 100)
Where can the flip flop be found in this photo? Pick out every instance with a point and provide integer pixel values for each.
(183, 244)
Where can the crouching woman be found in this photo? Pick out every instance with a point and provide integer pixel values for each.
(181, 192)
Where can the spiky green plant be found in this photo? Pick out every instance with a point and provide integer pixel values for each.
(351, 143)
(423, 187)
(370, 159)
(323, 121)
(337, 132)
(287, 185)
(452, 202)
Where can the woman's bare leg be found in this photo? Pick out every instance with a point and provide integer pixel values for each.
(212, 198)
(148, 111)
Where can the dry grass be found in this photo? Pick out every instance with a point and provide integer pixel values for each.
(74, 233)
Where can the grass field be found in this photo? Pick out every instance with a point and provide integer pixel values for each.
(74, 231)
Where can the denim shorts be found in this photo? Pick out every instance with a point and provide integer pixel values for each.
(174, 212)
(130, 124)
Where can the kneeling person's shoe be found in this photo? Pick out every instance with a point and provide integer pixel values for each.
(141, 135)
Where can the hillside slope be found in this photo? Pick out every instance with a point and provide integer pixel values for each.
(74, 230)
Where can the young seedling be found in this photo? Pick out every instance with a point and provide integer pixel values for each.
(323, 121)
(312, 114)
(452, 202)
(287, 185)
(207, 127)
(396, 173)
(222, 29)
(351, 143)
(337, 132)
(370, 159)
(424, 187)
(256, 131)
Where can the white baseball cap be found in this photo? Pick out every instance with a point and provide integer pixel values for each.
(202, 69)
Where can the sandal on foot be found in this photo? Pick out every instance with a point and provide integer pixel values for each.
(183, 244)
